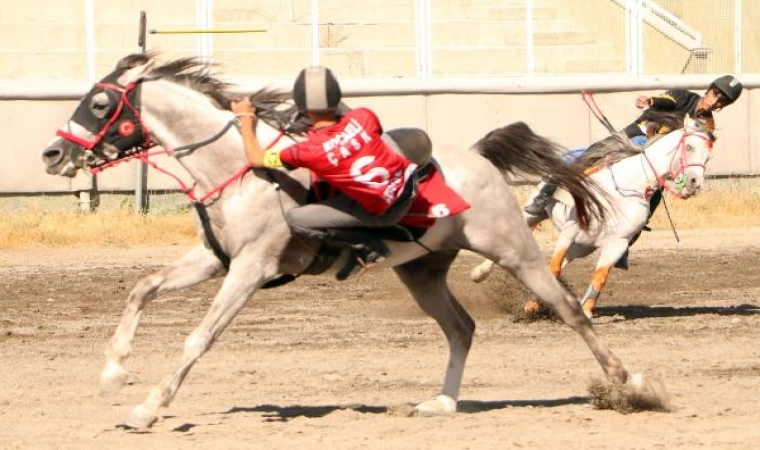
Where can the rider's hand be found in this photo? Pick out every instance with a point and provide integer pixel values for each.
(642, 101)
(243, 108)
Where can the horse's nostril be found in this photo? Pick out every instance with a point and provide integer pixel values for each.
(52, 155)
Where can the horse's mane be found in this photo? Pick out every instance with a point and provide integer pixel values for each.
(617, 146)
(271, 106)
(609, 150)
(663, 121)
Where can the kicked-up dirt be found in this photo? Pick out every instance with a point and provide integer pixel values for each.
(317, 364)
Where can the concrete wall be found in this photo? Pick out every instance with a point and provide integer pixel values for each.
(457, 119)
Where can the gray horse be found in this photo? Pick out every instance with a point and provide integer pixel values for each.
(182, 107)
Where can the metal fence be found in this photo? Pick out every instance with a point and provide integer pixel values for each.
(78, 40)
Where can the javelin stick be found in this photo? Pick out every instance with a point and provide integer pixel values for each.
(209, 31)
(588, 98)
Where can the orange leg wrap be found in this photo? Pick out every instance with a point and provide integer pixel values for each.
(598, 280)
(555, 264)
(533, 306)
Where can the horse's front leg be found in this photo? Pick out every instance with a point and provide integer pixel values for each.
(198, 265)
(610, 254)
(426, 279)
(247, 273)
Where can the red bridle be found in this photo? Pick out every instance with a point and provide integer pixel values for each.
(123, 100)
(684, 164)
(141, 151)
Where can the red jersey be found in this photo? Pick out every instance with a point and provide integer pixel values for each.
(352, 157)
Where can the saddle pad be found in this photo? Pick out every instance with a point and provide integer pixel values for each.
(434, 200)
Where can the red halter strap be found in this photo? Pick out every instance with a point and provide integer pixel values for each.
(681, 151)
(123, 100)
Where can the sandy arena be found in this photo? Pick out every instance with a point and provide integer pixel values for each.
(321, 365)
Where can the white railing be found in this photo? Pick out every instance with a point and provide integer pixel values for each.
(666, 23)
(413, 86)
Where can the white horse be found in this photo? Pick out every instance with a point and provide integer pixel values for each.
(675, 162)
(180, 106)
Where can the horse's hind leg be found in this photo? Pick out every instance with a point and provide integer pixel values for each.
(481, 272)
(198, 265)
(426, 280)
(519, 254)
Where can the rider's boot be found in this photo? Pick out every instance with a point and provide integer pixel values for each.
(538, 206)
(367, 249)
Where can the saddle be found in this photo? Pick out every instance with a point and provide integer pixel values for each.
(432, 199)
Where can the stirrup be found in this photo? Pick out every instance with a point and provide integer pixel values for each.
(362, 258)
(352, 267)
(355, 266)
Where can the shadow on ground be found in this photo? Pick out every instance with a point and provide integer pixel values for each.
(631, 312)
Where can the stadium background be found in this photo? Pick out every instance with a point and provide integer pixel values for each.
(457, 68)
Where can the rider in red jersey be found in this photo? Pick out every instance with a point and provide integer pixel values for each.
(345, 150)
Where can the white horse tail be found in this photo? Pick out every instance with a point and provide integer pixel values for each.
(516, 149)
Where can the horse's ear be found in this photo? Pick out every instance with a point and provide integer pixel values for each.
(134, 73)
(133, 60)
(133, 66)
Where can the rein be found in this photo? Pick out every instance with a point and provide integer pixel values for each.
(588, 99)
(142, 154)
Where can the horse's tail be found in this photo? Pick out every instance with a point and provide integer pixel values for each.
(517, 149)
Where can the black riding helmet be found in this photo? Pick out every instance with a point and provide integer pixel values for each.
(729, 86)
(316, 90)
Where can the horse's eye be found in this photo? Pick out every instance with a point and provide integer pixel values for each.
(100, 105)
(689, 148)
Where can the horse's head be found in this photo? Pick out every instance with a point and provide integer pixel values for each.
(685, 174)
(116, 121)
(105, 125)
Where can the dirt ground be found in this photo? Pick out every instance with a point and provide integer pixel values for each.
(318, 365)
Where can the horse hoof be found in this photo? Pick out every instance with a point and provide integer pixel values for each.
(112, 379)
(532, 307)
(139, 419)
(648, 394)
(588, 307)
(636, 381)
(442, 404)
(479, 274)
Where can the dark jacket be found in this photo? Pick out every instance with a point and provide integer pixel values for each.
(674, 100)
